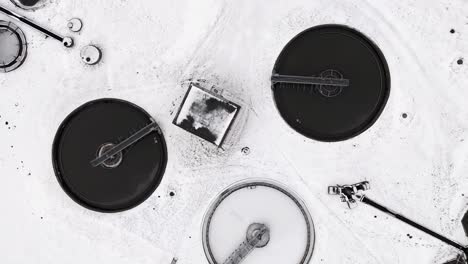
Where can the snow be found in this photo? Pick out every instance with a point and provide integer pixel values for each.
(152, 49)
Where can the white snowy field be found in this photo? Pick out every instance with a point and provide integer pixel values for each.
(151, 49)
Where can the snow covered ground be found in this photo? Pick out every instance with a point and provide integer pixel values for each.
(151, 49)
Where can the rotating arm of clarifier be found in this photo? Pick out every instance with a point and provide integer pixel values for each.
(257, 237)
(153, 126)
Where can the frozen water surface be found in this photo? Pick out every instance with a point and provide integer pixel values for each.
(415, 156)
